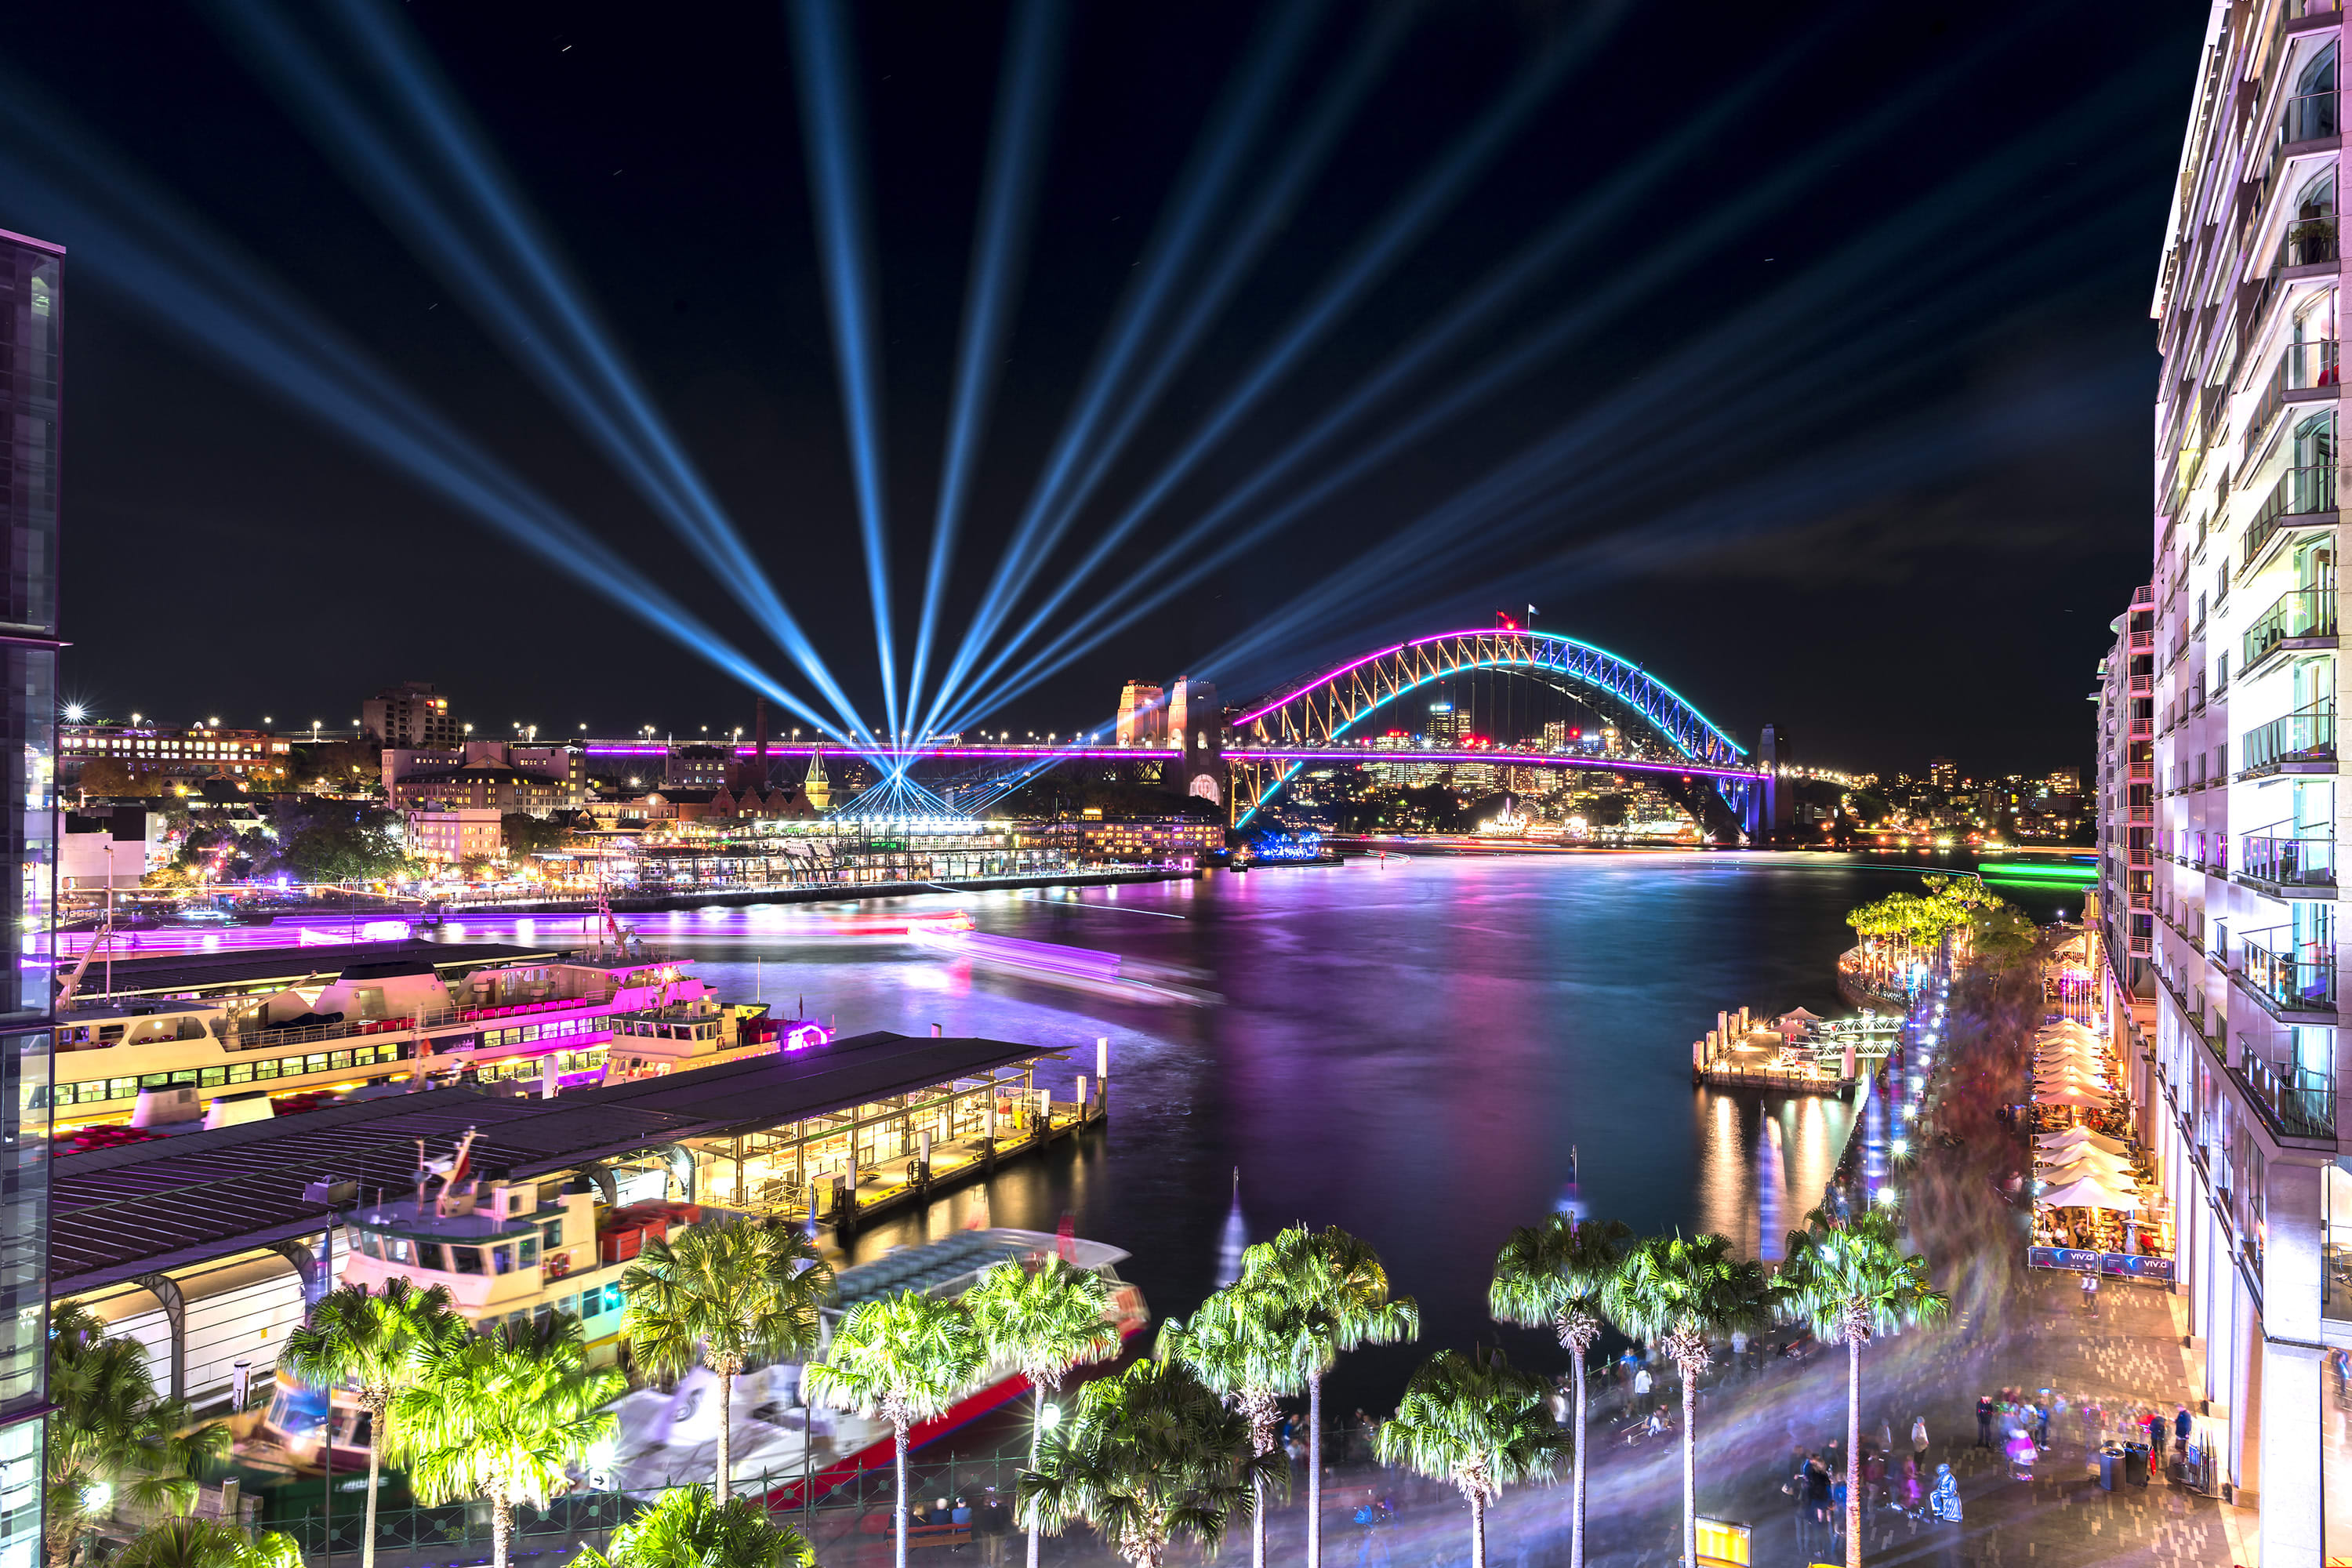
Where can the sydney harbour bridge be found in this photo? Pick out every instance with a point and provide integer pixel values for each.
(1244, 757)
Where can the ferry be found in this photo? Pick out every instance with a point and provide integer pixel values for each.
(517, 1252)
(183, 1041)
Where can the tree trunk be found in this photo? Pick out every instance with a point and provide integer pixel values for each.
(1690, 1471)
(377, 1415)
(1575, 1494)
(1853, 1450)
(900, 1439)
(501, 1531)
(1314, 1472)
(1477, 1533)
(1036, 1435)
(1257, 1521)
(721, 1487)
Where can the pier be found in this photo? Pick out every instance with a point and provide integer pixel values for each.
(1796, 1052)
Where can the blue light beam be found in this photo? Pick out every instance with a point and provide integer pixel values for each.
(832, 139)
(1008, 199)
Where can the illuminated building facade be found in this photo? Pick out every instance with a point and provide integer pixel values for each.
(411, 715)
(169, 751)
(31, 422)
(2241, 1098)
(2125, 809)
(1142, 715)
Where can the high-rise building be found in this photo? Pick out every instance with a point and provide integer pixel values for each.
(1943, 772)
(1142, 715)
(2124, 811)
(410, 716)
(31, 350)
(2239, 1095)
(1444, 726)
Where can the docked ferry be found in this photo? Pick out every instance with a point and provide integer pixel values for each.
(177, 1041)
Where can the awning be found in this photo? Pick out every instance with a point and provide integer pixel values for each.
(2087, 1193)
(2076, 1098)
(2075, 1136)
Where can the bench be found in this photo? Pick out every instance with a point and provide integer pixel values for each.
(917, 1535)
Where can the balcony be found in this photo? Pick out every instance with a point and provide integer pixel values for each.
(2301, 742)
(2302, 618)
(2308, 116)
(2309, 241)
(2286, 985)
(2300, 492)
(2296, 1101)
(2288, 866)
(2305, 372)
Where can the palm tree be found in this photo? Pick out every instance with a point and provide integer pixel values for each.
(112, 1430)
(206, 1543)
(1678, 1295)
(373, 1344)
(1552, 1274)
(1144, 1458)
(1475, 1423)
(1044, 1321)
(488, 1420)
(1328, 1294)
(1852, 1282)
(685, 1528)
(905, 1358)
(1234, 1347)
(726, 1291)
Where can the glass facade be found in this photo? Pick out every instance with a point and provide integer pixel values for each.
(31, 329)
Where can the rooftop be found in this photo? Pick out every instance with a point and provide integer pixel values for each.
(165, 974)
(143, 1208)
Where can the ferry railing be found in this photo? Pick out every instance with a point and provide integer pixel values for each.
(441, 1019)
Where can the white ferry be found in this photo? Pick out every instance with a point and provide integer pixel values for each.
(191, 1041)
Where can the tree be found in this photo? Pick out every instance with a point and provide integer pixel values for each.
(1476, 1425)
(1552, 1275)
(1852, 1282)
(2003, 938)
(491, 1420)
(375, 1345)
(206, 1543)
(111, 1431)
(728, 1291)
(685, 1528)
(1044, 1321)
(905, 1358)
(524, 833)
(1329, 1295)
(1146, 1457)
(1234, 1346)
(1677, 1295)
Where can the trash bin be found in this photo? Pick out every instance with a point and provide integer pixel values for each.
(2135, 1464)
(2111, 1464)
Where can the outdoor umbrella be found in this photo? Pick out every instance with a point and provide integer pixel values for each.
(2076, 1098)
(2082, 1154)
(2087, 1193)
(2058, 1175)
(2077, 1136)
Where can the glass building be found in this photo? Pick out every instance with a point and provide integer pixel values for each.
(30, 362)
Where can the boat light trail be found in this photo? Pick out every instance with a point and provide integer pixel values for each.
(198, 287)
(1234, 127)
(1008, 199)
(833, 140)
(463, 216)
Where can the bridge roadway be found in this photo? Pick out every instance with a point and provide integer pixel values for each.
(1306, 755)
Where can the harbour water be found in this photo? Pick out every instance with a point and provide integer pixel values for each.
(1410, 1049)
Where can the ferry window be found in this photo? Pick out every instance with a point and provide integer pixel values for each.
(429, 1256)
(340, 1059)
(469, 1259)
(398, 1249)
(315, 1062)
(155, 1080)
(122, 1087)
(185, 1075)
(240, 1072)
(213, 1078)
(528, 1249)
(569, 1306)
(503, 1259)
(612, 1297)
(551, 1235)
(265, 1070)
(372, 1244)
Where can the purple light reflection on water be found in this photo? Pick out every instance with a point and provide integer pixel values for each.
(1408, 1050)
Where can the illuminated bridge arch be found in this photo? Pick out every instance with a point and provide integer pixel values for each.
(1326, 710)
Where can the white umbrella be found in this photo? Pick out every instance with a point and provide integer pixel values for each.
(2057, 1176)
(2088, 1195)
(2074, 1098)
(2082, 1154)
(2075, 1136)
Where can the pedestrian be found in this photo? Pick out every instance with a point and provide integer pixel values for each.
(1738, 1347)
(1984, 1420)
(1944, 1501)
(1912, 1487)
(2091, 1294)
(2180, 1428)
(1919, 1440)
(1886, 1440)
(2156, 1425)
(1874, 1478)
(1817, 1489)
(1799, 1489)
(993, 1522)
(1642, 1389)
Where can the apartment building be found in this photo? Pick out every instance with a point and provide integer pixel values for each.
(2240, 1092)
(2125, 808)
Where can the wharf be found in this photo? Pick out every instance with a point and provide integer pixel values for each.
(1798, 1052)
(801, 893)
(903, 1183)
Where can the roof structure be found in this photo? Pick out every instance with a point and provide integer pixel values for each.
(166, 974)
(144, 1208)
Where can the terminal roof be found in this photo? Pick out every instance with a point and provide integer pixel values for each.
(173, 1203)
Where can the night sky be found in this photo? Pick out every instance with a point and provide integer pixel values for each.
(1828, 402)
